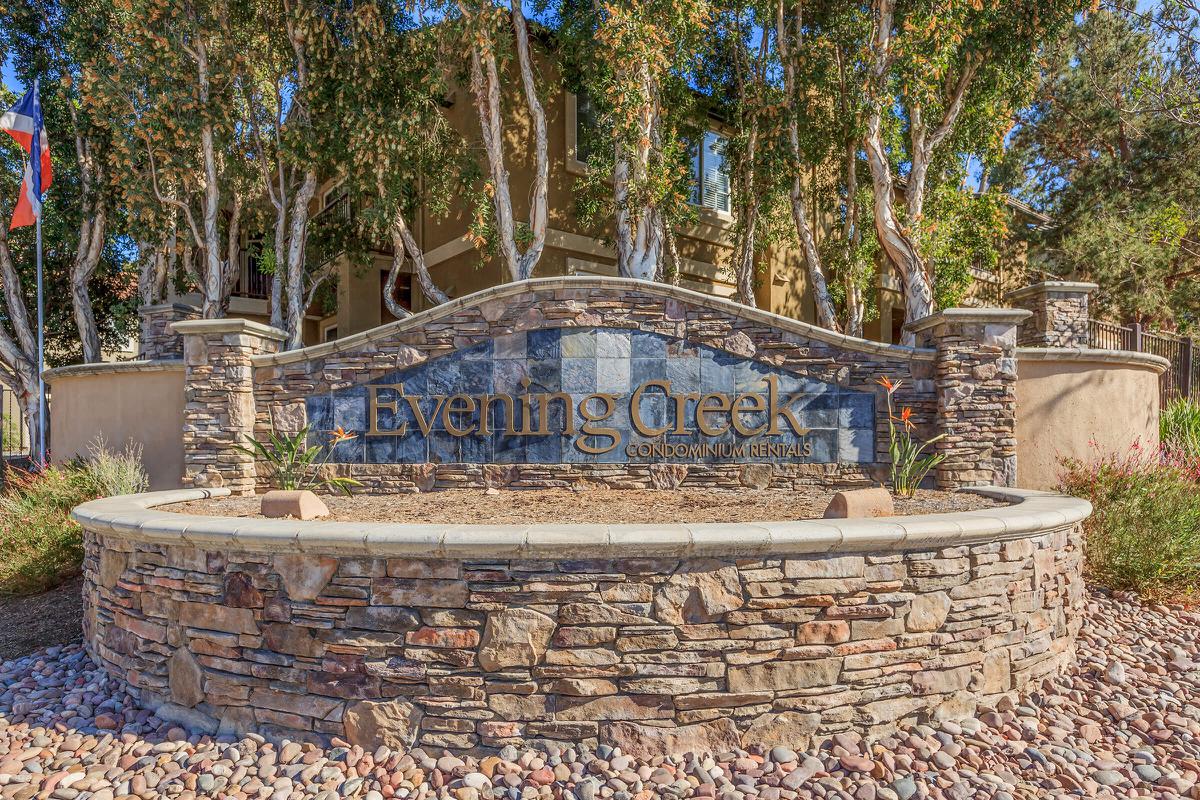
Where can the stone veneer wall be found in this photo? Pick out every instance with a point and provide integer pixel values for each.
(282, 382)
(654, 654)
(219, 407)
(976, 386)
(157, 341)
(1059, 313)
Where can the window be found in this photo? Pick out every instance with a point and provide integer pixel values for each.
(585, 127)
(710, 188)
(330, 334)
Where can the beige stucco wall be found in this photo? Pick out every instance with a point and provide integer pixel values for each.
(122, 404)
(1081, 404)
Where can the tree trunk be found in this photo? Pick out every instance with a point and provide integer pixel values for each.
(639, 233)
(897, 245)
(231, 264)
(279, 248)
(852, 235)
(296, 294)
(19, 355)
(211, 289)
(87, 258)
(485, 86)
(826, 314)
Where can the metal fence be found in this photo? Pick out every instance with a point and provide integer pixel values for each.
(1182, 378)
(14, 438)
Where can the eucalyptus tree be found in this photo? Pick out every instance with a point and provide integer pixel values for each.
(385, 133)
(491, 36)
(739, 80)
(635, 61)
(944, 79)
(46, 40)
(275, 89)
(167, 82)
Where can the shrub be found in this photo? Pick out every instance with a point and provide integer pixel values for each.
(1144, 533)
(1179, 427)
(293, 464)
(41, 545)
(909, 461)
(115, 473)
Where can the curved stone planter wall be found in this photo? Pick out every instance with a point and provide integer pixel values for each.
(672, 637)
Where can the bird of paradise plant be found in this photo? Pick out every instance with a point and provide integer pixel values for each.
(910, 463)
(294, 465)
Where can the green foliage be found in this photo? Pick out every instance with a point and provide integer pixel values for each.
(1179, 428)
(635, 61)
(1116, 163)
(294, 464)
(114, 473)
(1144, 532)
(46, 41)
(963, 231)
(909, 463)
(42, 545)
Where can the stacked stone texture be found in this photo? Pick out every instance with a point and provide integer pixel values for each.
(648, 653)
(1060, 314)
(282, 384)
(156, 340)
(976, 382)
(219, 408)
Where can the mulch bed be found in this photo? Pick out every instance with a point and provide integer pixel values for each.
(41, 620)
(598, 506)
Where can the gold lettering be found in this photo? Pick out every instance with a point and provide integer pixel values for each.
(449, 410)
(681, 411)
(423, 422)
(702, 410)
(783, 409)
(543, 403)
(587, 429)
(390, 405)
(485, 404)
(635, 410)
(526, 412)
(756, 405)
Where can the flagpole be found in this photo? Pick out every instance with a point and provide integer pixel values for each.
(41, 353)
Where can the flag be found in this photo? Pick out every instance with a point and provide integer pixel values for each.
(24, 123)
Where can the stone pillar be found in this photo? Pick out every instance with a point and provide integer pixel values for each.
(975, 376)
(156, 340)
(219, 399)
(1060, 313)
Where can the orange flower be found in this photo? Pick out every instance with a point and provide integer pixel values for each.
(886, 383)
(340, 434)
(906, 418)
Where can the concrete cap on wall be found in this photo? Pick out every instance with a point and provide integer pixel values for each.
(1045, 287)
(960, 316)
(232, 325)
(168, 306)
(113, 368)
(136, 517)
(1086, 355)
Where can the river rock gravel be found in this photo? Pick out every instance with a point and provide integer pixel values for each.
(1125, 723)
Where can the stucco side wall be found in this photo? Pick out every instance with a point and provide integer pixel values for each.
(140, 402)
(1082, 404)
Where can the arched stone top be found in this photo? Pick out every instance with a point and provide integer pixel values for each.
(1087, 355)
(493, 301)
(141, 518)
